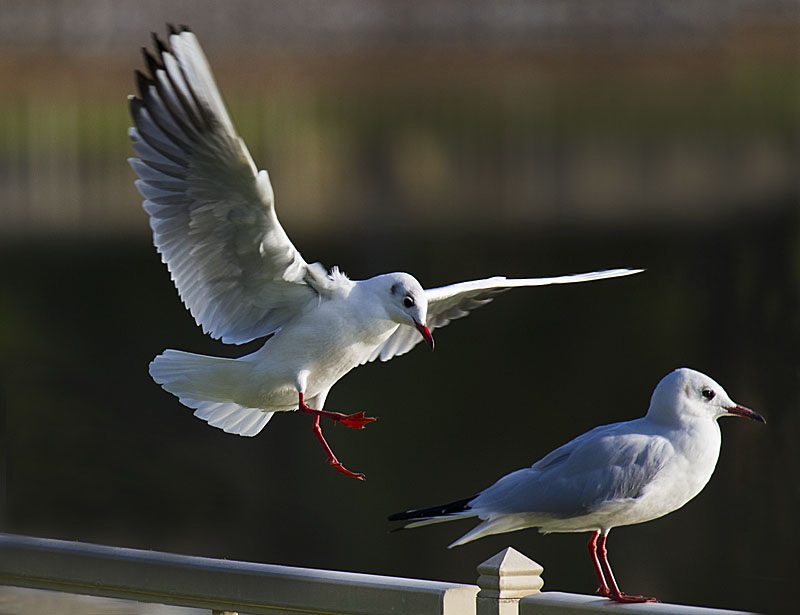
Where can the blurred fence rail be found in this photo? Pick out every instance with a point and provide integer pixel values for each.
(500, 160)
(440, 114)
(88, 27)
(224, 586)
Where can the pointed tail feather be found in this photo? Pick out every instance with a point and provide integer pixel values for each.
(436, 514)
(497, 525)
(461, 509)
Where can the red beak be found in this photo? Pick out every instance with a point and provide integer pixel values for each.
(746, 413)
(425, 333)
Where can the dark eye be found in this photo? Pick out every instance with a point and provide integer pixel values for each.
(708, 394)
(408, 301)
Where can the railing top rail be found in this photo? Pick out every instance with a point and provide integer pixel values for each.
(552, 603)
(224, 585)
(151, 576)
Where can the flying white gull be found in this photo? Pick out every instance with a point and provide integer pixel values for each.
(613, 475)
(214, 223)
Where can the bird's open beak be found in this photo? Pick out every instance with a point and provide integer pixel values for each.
(738, 410)
(425, 333)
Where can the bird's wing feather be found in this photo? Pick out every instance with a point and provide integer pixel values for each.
(448, 303)
(607, 464)
(212, 213)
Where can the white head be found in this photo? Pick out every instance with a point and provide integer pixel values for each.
(686, 394)
(405, 301)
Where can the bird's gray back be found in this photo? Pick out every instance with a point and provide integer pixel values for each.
(605, 465)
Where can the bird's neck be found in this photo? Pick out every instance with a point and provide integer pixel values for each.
(699, 440)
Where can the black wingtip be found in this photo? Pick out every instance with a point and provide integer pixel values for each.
(153, 63)
(161, 46)
(143, 83)
(172, 29)
(434, 511)
(134, 105)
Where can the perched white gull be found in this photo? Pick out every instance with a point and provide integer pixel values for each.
(613, 475)
(214, 223)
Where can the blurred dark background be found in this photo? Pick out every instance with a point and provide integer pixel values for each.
(453, 140)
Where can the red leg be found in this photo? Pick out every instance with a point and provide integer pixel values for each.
(602, 588)
(328, 452)
(614, 593)
(355, 421)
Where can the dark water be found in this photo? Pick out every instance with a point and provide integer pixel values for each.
(95, 451)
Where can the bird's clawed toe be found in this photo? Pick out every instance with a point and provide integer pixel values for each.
(626, 599)
(622, 597)
(338, 465)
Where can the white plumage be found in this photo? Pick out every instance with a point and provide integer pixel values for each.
(213, 219)
(613, 475)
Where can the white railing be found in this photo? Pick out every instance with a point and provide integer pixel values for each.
(509, 584)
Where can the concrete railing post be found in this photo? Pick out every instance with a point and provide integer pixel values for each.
(504, 579)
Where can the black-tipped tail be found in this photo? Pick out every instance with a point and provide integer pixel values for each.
(443, 510)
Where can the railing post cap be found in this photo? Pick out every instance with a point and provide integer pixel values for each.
(509, 561)
(509, 574)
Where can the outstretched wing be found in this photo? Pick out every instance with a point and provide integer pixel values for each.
(211, 211)
(449, 303)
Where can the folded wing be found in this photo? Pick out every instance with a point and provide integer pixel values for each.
(212, 213)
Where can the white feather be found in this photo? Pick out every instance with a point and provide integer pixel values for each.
(212, 213)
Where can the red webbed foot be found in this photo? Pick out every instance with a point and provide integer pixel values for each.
(626, 599)
(356, 421)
